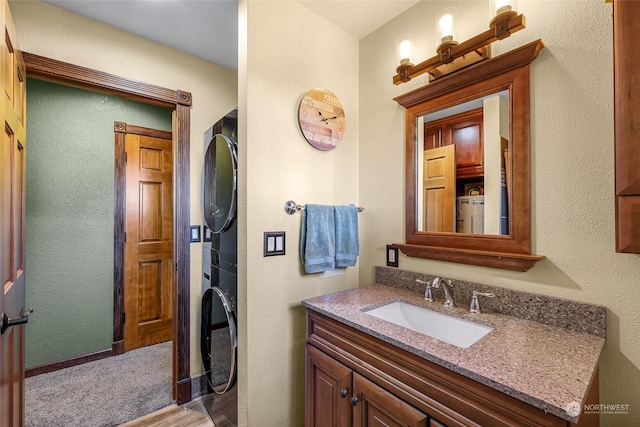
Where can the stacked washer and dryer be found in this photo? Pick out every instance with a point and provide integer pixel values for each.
(218, 331)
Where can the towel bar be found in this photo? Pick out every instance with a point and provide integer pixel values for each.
(292, 207)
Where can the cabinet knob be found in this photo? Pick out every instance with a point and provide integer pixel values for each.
(343, 393)
(354, 401)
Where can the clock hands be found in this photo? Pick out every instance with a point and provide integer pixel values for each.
(325, 119)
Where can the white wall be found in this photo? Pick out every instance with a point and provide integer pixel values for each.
(285, 50)
(55, 33)
(572, 171)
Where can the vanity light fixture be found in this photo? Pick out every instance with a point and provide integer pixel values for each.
(451, 55)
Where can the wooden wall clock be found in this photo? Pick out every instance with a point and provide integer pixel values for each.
(321, 118)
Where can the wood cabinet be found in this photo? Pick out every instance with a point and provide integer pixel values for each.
(377, 407)
(355, 379)
(339, 397)
(329, 389)
(626, 25)
(465, 131)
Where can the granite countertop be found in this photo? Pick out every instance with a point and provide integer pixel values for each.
(543, 365)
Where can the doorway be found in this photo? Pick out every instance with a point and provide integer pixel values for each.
(180, 103)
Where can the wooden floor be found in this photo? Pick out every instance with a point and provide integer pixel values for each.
(192, 414)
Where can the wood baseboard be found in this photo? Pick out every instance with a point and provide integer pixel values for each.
(117, 347)
(184, 391)
(66, 363)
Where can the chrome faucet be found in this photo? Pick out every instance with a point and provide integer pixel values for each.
(428, 296)
(475, 303)
(447, 287)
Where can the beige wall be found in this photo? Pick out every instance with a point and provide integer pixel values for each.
(55, 33)
(288, 51)
(572, 171)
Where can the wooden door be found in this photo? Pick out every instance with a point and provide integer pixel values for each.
(148, 282)
(12, 204)
(328, 392)
(439, 183)
(377, 407)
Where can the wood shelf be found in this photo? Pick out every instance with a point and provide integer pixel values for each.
(502, 260)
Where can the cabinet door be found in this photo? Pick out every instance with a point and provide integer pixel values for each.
(328, 391)
(466, 135)
(466, 132)
(376, 407)
(626, 25)
(432, 137)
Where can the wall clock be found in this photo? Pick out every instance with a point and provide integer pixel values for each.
(321, 118)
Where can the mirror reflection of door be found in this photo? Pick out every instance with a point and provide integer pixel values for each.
(479, 130)
(439, 188)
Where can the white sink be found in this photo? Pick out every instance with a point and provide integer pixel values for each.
(450, 329)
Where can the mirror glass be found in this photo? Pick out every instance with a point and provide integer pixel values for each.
(462, 165)
(219, 183)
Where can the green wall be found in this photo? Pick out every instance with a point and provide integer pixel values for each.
(69, 216)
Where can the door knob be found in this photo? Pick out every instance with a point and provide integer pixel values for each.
(343, 393)
(7, 322)
(354, 401)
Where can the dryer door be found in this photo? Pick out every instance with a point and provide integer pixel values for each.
(219, 175)
(219, 340)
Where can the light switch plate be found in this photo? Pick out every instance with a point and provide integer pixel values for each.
(274, 243)
(194, 233)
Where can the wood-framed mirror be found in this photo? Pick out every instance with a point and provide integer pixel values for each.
(434, 225)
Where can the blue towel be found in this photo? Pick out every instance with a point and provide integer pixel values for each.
(347, 241)
(318, 238)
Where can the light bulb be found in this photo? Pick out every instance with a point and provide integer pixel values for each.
(502, 6)
(445, 22)
(404, 45)
(446, 25)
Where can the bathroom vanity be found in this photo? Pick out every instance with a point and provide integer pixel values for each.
(362, 370)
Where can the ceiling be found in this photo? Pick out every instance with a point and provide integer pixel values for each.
(209, 28)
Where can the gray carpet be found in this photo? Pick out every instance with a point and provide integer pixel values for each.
(106, 392)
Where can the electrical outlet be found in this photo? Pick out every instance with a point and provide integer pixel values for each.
(392, 256)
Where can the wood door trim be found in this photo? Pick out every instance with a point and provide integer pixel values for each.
(99, 81)
(180, 101)
(121, 127)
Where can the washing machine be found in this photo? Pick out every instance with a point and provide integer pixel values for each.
(218, 330)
